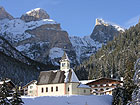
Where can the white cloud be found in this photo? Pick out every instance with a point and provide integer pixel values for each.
(133, 21)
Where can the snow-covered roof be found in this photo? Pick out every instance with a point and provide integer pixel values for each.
(86, 81)
(83, 86)
(57, 76)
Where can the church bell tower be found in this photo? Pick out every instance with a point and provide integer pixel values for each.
(64, 62)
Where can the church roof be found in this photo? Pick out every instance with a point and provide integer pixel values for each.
(57, 76)
(64, 56)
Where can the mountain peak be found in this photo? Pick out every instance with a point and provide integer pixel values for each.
(4, 14)
(34, 15)
(101, 22)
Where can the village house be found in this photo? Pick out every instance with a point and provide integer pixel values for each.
(103, 86)
(30, 89)
(57, 82)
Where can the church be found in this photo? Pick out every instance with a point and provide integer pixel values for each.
(60, 82)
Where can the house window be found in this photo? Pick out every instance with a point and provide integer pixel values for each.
(101, 89)
(68, 89)
(31, 87)
(56, 88)
(30, 91)
(84, 91)
(51, 89)
(96, 89)
(42, 90)
(46, 89)
(95, 85)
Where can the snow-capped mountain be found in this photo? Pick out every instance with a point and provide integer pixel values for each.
(34, 15)
(41, 38)
(105, 31)
(88, 45)
(4, 14)
(37, 36)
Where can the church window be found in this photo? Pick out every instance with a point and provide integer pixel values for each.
(51, 89)
(42, 90)
(46, 89)
(56, 88)
(63, 64)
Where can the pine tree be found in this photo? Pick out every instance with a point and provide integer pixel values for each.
(4, 93)
(119, 96)
(128, 78)
(16, 100)
(136, 92)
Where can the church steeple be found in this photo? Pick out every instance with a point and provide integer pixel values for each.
(64, 62)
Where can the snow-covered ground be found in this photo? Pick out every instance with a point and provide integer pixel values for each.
(68, 100)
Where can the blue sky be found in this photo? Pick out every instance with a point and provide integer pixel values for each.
(77, 17)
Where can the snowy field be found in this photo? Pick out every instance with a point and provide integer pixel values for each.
(68, 100)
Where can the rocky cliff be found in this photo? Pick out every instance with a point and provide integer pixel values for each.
(4, 14)
(42, 39)
(38, 37)
(34, 15)
(88, 45)
(105, 31)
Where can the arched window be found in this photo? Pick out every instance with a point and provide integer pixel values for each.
(101, 89)
(51, 89)
(46, 89)
(42, 90)
(63, 64)
(96, 89)
(56, 88)
(68, 89)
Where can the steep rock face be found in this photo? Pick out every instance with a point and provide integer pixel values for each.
(34, 15)
(42, 39)
(84, 47)
(88, 45)
(4, 14)
(104, 31)
(39, 39)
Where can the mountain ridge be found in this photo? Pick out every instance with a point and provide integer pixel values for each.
(41, 38)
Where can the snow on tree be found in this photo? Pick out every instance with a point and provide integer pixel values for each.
(16, 100)
(136, 92)
(4, 93)
(119, 96)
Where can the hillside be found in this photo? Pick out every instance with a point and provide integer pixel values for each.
(68, 100)
(16, 66)
(115, 58)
